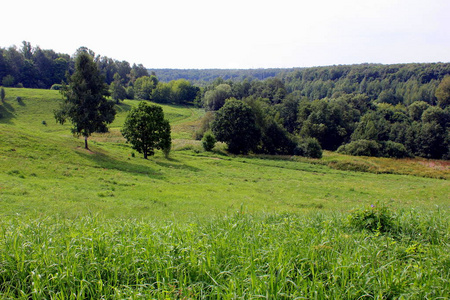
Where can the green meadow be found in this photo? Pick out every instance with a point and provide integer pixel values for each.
(106, 223)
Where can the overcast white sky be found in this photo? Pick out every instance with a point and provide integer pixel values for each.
(235, 33)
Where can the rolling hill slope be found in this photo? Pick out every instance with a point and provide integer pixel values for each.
(45, 170)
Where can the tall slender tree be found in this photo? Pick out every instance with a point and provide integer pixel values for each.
(85, 104)
(118, 92)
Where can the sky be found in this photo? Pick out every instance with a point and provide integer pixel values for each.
(243, 34)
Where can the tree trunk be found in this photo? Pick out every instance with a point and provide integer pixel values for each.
(86, 143)
(145, 154)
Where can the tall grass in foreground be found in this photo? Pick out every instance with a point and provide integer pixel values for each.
(282, 256)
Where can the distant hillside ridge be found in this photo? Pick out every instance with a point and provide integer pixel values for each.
(395, 83)
(357, 72)
(209, 75)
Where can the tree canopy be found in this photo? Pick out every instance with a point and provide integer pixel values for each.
(443, 92)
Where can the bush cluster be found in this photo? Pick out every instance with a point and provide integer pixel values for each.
(375, 219)
(374, 148)
(308, 147)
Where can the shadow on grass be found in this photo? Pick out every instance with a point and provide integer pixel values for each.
(122, 107)
(6, 113)
(104, 161)
(176, 164)
(20, 102)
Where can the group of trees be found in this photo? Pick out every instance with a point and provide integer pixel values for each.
(393, 84)
(353, 122)
(213, 96)
(86, 106)
(33, 67)
(178, 91)
(376, 129)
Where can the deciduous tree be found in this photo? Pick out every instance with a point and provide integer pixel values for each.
(215, 99)
(443, 92)
(144, 86)
(235, 125)
(146, 129)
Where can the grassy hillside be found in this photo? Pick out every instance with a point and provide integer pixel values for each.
(45, 170)
(106, 223)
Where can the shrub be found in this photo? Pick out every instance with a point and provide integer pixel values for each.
(8, 81)
(393, 149)
(361, 148)
(308, 147)
(374, 148)
(208, 141)
(375, 219)
(276, 140)
(205, 125)
(56, 87)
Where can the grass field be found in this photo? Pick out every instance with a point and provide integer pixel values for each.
(106, 223)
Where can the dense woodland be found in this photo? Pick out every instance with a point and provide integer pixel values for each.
(376, 110)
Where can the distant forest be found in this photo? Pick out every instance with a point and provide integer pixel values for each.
(400, 83)
(396, 110)
(203, 76)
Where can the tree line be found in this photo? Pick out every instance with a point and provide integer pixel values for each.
(33, 67)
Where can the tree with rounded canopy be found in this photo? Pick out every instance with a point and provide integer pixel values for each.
(85, 104)
(146, 129)
(443, 92)
(144, 86)
(235, 125)
(215, 99)
(416, 109)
